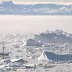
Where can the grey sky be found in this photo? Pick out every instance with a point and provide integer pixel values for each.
(40, 0)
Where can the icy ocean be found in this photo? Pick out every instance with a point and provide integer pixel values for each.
(35, 37)
(35, 43)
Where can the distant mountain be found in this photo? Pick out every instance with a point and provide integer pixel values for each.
(36, 9)
(5, 4)
(57, 36)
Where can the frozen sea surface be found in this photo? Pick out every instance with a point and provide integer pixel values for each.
(33, 24)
